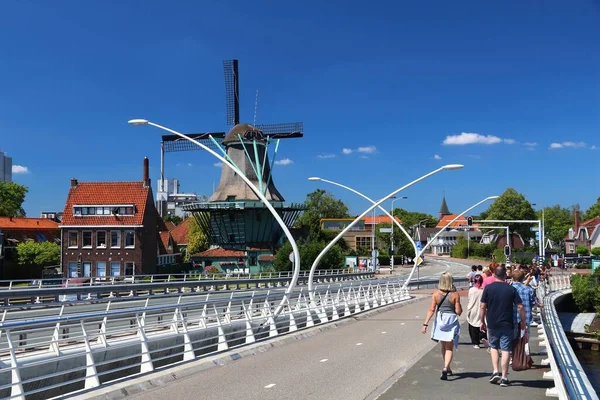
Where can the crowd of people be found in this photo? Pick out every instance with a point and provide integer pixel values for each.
(500, 308)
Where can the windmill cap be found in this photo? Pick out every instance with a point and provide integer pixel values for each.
(246, 131)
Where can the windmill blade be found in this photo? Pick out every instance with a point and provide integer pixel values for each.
(174, 143)
(232, 91)
(283, 131)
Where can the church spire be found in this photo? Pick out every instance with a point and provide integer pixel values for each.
(444, 208)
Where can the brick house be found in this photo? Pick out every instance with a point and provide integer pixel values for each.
(361, 234)
(583, 233)
(111, 229)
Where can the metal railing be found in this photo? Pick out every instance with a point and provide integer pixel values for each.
(45, 357)
(570, 381)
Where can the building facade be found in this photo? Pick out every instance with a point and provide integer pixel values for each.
(171, 201)
(583, 233)
(361, 234)
(5, 168)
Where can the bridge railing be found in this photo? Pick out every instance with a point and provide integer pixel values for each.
(570, 381)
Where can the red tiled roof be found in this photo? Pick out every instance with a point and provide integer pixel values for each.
(181, 232)
(170, 225)
(266, 257)
(106, 193)
(461, 221)
(163, 246)
(12, 237)
(379, 219)
(591, 223)
(27, 223)
(221, 253)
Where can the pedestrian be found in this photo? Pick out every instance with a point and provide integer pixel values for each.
(488, 274)
(527, 295)
(471, 274)
(445, 305)
(479, 269)
(497, 304)
(473, 311)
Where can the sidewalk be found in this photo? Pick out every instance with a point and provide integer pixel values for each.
(472, 369)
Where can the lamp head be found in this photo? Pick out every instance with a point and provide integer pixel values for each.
(137, 122)
(314, 178)
(453, 166)
(493, 197)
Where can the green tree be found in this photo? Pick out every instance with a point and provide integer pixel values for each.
(593, 211)
(512, 205)
(173, 218)
(39, 254)
(557, 221)
(12, 196)
(582, 251)
(596, 251)
(309, 250)
(411, 218)
(402, 245)
(318, 205)
(197, 240)
(459, 250)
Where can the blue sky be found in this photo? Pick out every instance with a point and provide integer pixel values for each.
(511, 89)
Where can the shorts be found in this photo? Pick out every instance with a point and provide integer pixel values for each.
(501, 339)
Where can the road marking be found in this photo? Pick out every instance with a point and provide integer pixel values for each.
(417, 316)
(323, 360)
(384, 332)
(269, 386)
(359, 344)
(402, 323)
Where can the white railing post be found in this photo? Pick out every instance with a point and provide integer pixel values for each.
(91, 375)
(146, 361)
(54, 344)
(16, 389)
(248, 321)
(222, 339)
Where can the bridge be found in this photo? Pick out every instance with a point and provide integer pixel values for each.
(357, 338)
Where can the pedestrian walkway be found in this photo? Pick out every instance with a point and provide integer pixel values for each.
(472, 369)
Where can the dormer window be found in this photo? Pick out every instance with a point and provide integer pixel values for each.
(104, 210)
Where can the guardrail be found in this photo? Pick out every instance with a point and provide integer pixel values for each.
(24, 295)
(570, 381)
(51, 356)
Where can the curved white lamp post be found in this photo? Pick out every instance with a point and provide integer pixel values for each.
(368, 210)
(398, 224)
(260, 196)
(429, 242)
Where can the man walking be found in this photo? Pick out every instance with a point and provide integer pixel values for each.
(497, 317)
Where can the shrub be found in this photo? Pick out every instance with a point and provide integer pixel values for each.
(586, 292)
(459, 250)
(596, 251)
(211, 269)
(582, 251)
(499, 256)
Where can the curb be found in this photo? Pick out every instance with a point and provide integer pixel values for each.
(123, 388)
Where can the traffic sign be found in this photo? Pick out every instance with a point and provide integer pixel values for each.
(537, 236)
(418, 245)
(291, 257)
(534, 228)
(385, 230)
(375, 253)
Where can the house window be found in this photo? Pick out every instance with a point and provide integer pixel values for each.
(77, 210)
(230, 198)
(115, 239)
(86, 239)
(129, 268)
(129, 239)
(99, 210)
(101, 268)
(364, 241)
(73, 239)
(87, 269)
(101, 239)
(73, 269)
(571, 248)
(115, 268)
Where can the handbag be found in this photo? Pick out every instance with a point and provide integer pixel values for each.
(521, 360)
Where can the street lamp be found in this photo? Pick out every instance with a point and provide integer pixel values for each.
(368, 210)
(314, 178)
(392, 233)
(258, 193)
(542, 234)
(418, 255)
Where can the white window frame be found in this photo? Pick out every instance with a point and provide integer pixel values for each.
(111, 268)
(125, 267)
(100, 262)
(133, 245)
(91, 240)
(83, 271)
(69, 239)
(118, 246)
(72, 273)
(105, 240)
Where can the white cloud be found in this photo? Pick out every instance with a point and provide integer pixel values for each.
(364, 157)
(573, 145)
(510, 141)
(347, 151)
(437, 157)
(190, 164)
(530, 144)
(367, 149)
(19, 169)
(285, 161)
(471, 138)
(218, 164)
(593, 147)
(324, 156)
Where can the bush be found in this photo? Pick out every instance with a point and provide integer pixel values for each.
(596, 251)
(459, 250)
(499, 256)
(384, 260)
(586, 292)
(482, 250)
(582, 251)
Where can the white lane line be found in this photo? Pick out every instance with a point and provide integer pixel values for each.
(384, 332)
(269, 386)
(401, 323)
(323, 360)
(359, 344)
(417, 316)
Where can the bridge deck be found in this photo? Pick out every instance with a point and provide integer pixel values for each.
(356, 358)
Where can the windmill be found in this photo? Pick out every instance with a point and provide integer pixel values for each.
(234, 217)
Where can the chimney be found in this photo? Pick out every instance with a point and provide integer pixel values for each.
(73, 182)
(146, 177)
(577, 220)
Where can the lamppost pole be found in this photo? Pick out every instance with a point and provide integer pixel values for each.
(392, 234)
(258, 193)
(367, 211)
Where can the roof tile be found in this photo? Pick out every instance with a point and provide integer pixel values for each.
(23, 223)
(181, 232)
(221, 253)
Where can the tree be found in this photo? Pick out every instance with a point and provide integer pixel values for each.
(402, 245)
(12, 196)
(593, 211)
(411, 218)
(582, 251)
(309, 250)
(596, 251)
(173, 218)
(38, 254)
(318, 205)
(557, 221)
(197, 240)
(512, 205)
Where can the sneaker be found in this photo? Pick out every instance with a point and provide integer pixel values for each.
(476, 346)
(504, 382)
(444, 376)
(495, 378)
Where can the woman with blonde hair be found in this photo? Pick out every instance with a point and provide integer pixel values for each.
(445, 305)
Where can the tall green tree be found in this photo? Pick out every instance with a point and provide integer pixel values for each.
(12, 196)
(318, 205)
(173, 218)
(309, 250)
(402, 245)
(557, 221)
(197, 240)
(411, 218)
(512, 205)
(593, 211)
(38, 254)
